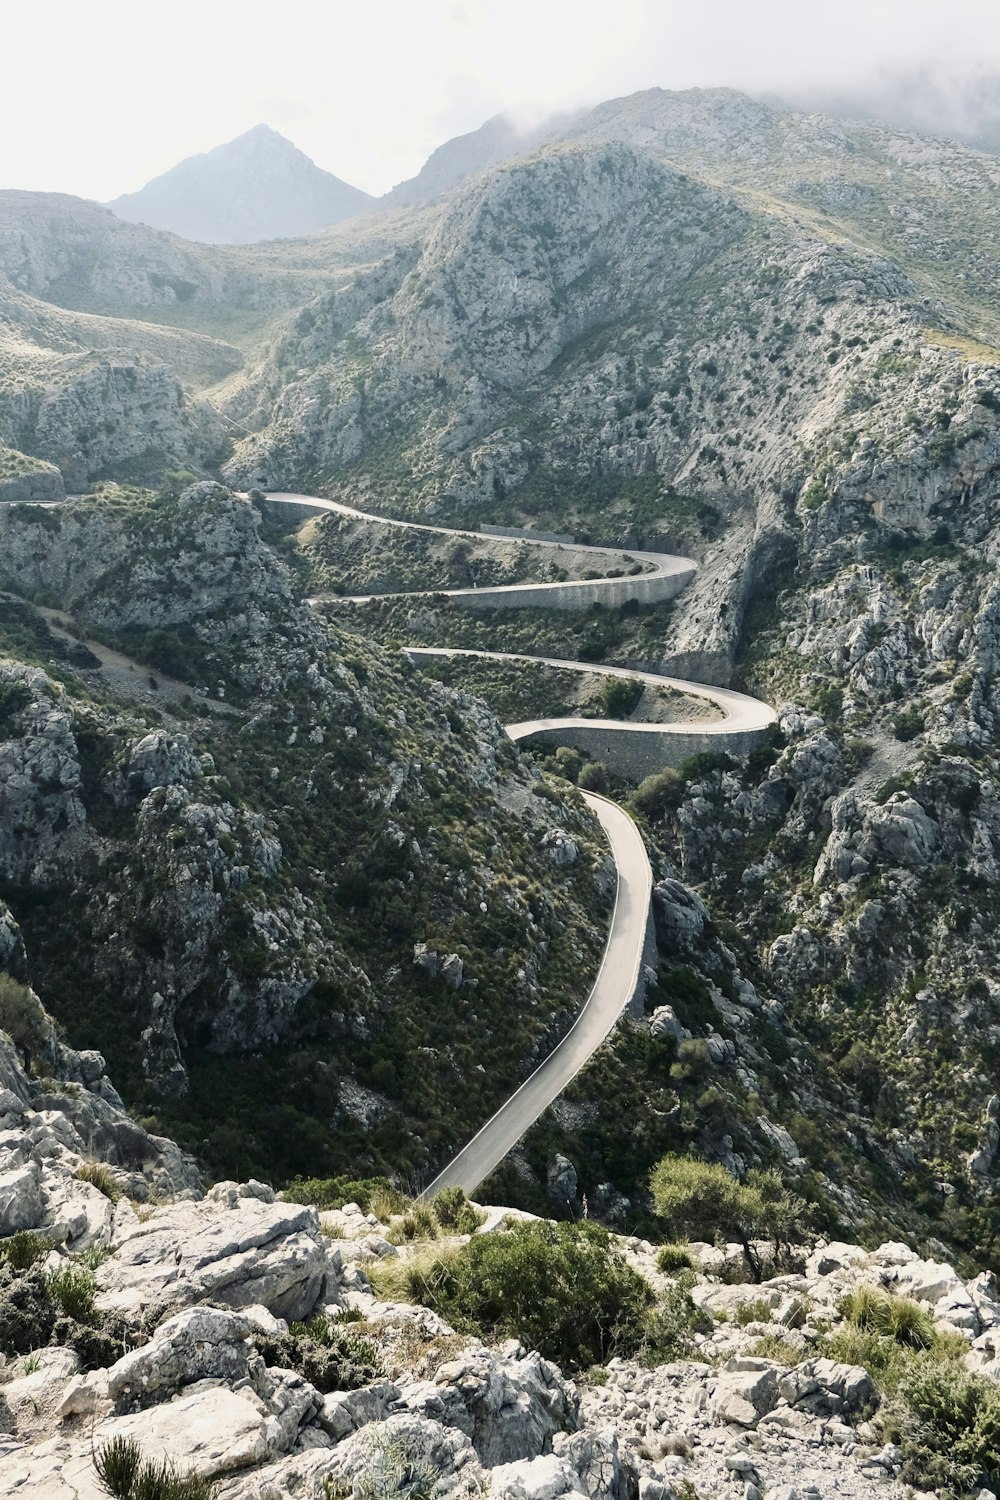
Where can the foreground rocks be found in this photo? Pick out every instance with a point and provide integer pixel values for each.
(239, 1337)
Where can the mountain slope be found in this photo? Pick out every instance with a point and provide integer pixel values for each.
(256, 187)
(466, 156)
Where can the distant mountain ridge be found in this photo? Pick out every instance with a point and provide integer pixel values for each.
(257, 187)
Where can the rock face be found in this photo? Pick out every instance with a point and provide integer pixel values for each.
(256, 187)
(27, 479)
(235, 1248)
(51, 1133)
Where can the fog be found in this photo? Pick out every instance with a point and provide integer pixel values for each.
(97, 99)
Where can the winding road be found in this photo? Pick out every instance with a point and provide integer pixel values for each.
(742, 721)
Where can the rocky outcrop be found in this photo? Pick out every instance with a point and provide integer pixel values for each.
(23, 478)
(237, 1247)
(53, 1131)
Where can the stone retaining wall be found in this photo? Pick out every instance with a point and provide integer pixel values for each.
(636, 751)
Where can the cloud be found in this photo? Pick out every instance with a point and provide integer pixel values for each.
(106, 95)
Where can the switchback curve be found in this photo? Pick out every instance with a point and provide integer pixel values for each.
(743, 722)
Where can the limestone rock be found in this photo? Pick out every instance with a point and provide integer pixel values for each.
(197, 1344)
(251, 1252)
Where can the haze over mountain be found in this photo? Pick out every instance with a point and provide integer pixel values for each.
(964, 106)
(257, 187)
(318, 915)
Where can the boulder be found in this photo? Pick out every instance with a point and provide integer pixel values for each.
(823, 1387)
(199, 1343)
(452, 970)
(237, 1255)
(562, 1180)
(161, 759)
(21, 1201)
(379, 1458)
(665, 1022)
(208, 1430)
(605, 1469)
(345, 1411)
(745, 1394)
(543, 1478)
(509, 1405)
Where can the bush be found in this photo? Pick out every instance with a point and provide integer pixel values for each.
(947, 1422)
(100, 1176)
(418, 1223)
(334, 1192)
(98, 1344)
(674, 1257)
(126, 1475)
(23, 1019)
(669, 1327)
(27, 1313)
(24, 1249)
(593, 777)
(330, 1356)
(559, 1288)
(455, 1213)
(758, 1311)
(908, 723)
(702, 1200)
(74, 1289)
(898, 1318)
(659, 794)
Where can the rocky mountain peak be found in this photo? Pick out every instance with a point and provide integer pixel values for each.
(259, 186)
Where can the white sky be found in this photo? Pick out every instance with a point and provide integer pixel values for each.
(100, 95)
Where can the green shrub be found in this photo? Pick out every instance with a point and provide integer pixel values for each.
(455, 1213)
(702, 1200)
(27, 1312)
(899, 1318)
(419, 1223)
(74, 1288)
(100, 1176)
(674, 1257)
(559, 1288)
(659, 794)
(668, 1328)
(758, 1311)
(593, 777)
(947, 1422)
(908, 723)
(126, 1475)
(782, 1351)
(23, 1019)
(24, 1249)
(334, 1192)
(331, 1356)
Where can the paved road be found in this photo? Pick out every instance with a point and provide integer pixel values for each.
(739, 712)
(613, 989)
(654, 564)
(619, 972)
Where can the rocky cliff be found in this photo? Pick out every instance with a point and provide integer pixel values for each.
(273, 852)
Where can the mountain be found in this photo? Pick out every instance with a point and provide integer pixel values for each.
(935, 102)
(763, 338)
(256, 187)
(464, 156)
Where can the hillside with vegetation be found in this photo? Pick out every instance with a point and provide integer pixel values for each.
(313, 908)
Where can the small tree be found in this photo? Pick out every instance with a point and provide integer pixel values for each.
(562, 1289)
(23, 1019)
(702, 1198)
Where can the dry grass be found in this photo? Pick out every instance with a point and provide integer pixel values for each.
(971, 348)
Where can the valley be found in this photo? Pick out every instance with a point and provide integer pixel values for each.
(499, 696)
